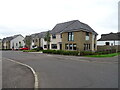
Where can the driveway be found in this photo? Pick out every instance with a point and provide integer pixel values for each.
(57, 71)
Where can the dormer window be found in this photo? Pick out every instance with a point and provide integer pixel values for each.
(54, 36)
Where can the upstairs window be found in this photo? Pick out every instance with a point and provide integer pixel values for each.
(70, 36)
(36, 40)
(16, 44)
(33, 40)
(87, 36)
(60, 35)
(54, 36)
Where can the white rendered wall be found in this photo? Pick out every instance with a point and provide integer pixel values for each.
(57, 40)
(17, 40)
(102, 43)
(43, 42)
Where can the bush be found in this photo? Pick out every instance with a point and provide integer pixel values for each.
(83, 53)
(29, 50)
(6, 49)
(38, 49)
(61, 52)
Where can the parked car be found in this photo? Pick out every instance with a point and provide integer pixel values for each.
(24, 48)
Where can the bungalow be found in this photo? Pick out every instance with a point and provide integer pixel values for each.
(13, 42)
(73, 35)
(109, 41)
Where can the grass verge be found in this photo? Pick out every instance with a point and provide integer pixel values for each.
(104, 55)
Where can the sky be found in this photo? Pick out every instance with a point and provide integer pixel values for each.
(33, 16)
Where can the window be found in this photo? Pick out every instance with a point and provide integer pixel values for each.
(53, 36)
(16, 44)
(70, 36)
(87, 35)
(33, 40)
(111, 44)
(70, 46)
(66, 46)
(74, 47)
(54, 46)
(45, 46)
(36, 40)
(94, 46)
(61, 35)
(86, 46)
(89, 46)
(107, 43)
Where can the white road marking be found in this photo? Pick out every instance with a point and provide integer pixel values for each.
(33, 71)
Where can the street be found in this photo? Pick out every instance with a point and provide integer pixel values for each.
(58, 71)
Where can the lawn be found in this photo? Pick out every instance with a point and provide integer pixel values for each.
(104, 55)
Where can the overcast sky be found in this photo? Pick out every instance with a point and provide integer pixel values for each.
(32, 16)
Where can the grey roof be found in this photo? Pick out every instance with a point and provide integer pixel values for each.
(41, 35)
(61, 26)
(11, 37)
(110, 36)
(69, 26)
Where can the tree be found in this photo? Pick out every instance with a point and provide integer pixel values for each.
(28, 41)
(47, 38)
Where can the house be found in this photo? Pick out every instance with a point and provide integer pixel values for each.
(36, 40)
(73, 35)
(109, 41)
(43, 43)
(13, 42)
(56, 36)
(0, 44)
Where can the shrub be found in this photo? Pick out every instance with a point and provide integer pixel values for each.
(61, 52)
(83, 53)
(29, 50)
(38, 49)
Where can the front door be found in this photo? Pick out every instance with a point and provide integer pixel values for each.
(60, 46)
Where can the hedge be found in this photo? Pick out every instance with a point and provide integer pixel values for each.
(77, 53)
(61, 52)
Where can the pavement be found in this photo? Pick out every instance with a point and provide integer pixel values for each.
(16, 76)
(58, 71)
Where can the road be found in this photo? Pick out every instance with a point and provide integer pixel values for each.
(56, 71)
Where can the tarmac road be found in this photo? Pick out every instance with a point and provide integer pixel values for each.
(56, 71)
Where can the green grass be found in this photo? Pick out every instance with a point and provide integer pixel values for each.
(104, 55)
(29, 50)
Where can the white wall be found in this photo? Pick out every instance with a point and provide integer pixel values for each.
(111, 42)
(56, 41)
(43, 42)
(17, 40)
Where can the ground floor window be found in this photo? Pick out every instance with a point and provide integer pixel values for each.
(45, 46)
(70, 46)
(74, 47)
(86, 47)
(107, 43)
(66, 46)
(54, 46)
